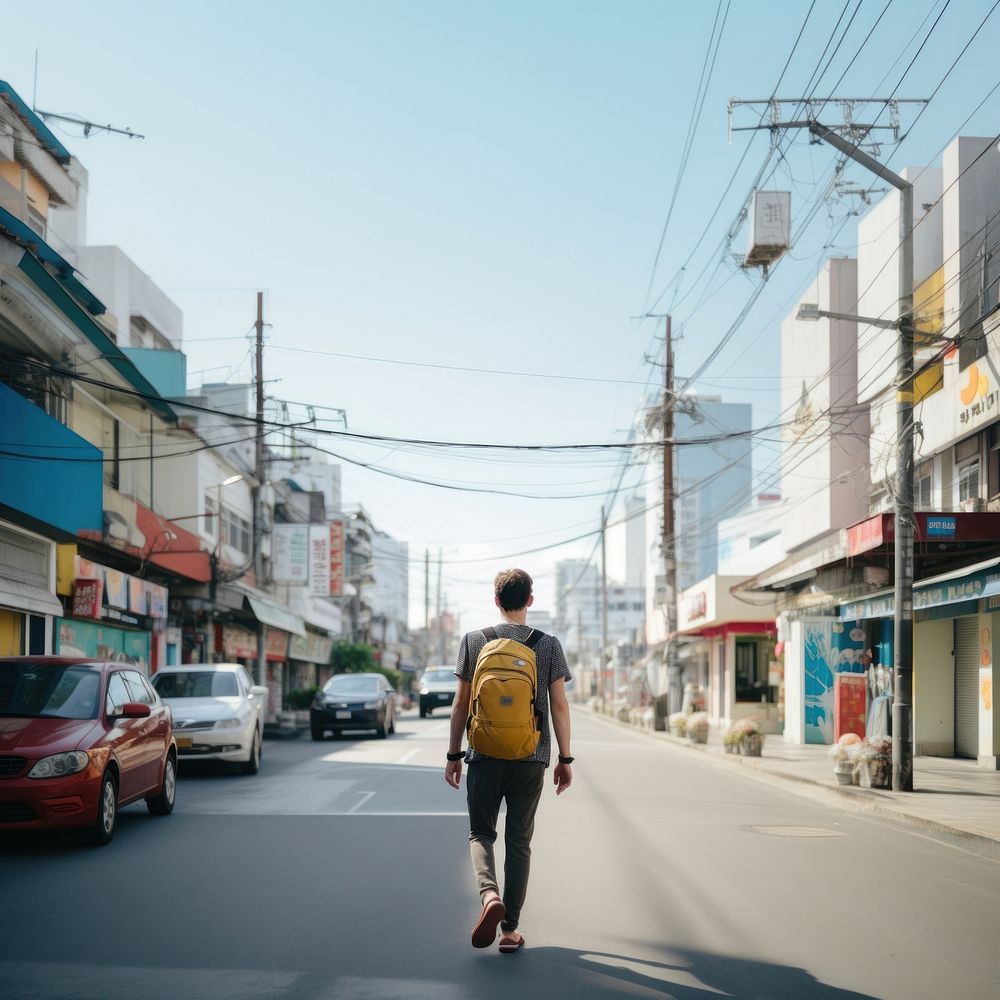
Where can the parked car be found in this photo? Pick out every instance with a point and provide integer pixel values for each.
(79, 739)
(438, 687)
(218, 712)
(353, 701)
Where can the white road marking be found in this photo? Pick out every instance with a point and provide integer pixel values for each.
(407, 756)
(365, 796)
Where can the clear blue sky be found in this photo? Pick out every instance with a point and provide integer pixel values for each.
(469, 184)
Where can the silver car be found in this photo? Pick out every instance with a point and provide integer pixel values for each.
(218, 712)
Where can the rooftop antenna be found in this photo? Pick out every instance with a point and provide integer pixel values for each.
(88, 126)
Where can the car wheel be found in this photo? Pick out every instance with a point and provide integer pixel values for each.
(392, 725)
(163, 804)
(252, 766)
(423, 713)
(103, 829)
(317, 734)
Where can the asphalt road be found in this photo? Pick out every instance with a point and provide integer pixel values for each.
(341, 870)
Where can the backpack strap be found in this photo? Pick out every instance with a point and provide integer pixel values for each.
(490, 633)
(533, 637)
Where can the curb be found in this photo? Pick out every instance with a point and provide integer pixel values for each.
(856, 800)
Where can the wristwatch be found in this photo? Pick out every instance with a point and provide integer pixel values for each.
(566, 760)
(457, 755)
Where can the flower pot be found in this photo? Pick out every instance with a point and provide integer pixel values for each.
(876, 772)
(751, 746)
(731, 748)
(676, 730)
(699, 735)
(844, 770)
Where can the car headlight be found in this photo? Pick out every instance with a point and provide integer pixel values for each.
(228, 724)
(60, 764)
(371, 704)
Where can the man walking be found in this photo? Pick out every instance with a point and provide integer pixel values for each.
(491, 781)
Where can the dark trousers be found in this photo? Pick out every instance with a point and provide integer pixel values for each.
(488, 783)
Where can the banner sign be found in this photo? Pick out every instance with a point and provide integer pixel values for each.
(291, 553)
(319, 560)
(88, 596)
(337, 529)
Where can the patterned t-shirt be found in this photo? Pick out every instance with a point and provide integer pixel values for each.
(551, 666)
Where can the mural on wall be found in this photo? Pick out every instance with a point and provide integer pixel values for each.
(103, 642)
(831, 647)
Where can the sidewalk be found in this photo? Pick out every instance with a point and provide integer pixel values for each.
(953, 799)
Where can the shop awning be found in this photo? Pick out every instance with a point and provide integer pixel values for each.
(25, 597)
(275, 616)
(970, 583)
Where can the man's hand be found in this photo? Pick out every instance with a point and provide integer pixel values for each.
(453, 773)
(562, 777)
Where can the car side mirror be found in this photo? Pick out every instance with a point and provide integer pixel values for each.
(134, 710)
(260, 690)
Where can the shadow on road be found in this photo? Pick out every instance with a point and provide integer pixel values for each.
(690, 975)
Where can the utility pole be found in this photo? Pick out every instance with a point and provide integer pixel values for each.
(258, 493)
(440, 627)
(604, 606)
(669, 540)
(427, 607)
(902, 707)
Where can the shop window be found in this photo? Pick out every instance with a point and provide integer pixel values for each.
(36, 635)
(751, 671)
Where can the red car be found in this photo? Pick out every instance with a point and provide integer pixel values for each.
(78, 740)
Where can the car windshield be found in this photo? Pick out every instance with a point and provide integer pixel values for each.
(196, 684)
(49, 690)
(438, 676)
(346, 684)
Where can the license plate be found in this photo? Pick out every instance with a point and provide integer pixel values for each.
(442, 697)
(343, 715)
(184, 742)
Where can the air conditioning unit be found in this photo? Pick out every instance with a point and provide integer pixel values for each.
(994, 505)
(973, 505)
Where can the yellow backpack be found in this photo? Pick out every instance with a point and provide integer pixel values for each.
(503, 721)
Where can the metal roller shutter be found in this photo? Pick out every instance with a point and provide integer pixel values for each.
(967, 687)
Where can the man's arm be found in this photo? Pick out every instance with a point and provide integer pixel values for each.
(459, 716)
(562, 775)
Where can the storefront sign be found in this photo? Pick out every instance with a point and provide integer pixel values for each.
(88, 596)
(125, 598)
(311, 648)
(865, 536)
(236, 642)
(696, 606)
(337, 532)
(941, 527)
(276, 644)
(319, 560)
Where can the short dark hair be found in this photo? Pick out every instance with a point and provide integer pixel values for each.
(512, 588)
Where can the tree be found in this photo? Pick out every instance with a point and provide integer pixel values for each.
(352, 658)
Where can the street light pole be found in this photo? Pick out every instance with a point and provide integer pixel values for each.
(902, 706)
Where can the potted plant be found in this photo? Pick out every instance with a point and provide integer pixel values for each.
(678, 723)
(844, 765)
(731, 741)
(873, 759)
(748, 735)
(696, 727)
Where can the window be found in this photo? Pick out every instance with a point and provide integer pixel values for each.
(235, 530)
(210, 512)
(140, 690)
(196, 684)
(118, 694)
(968, 482)
(923, 479)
